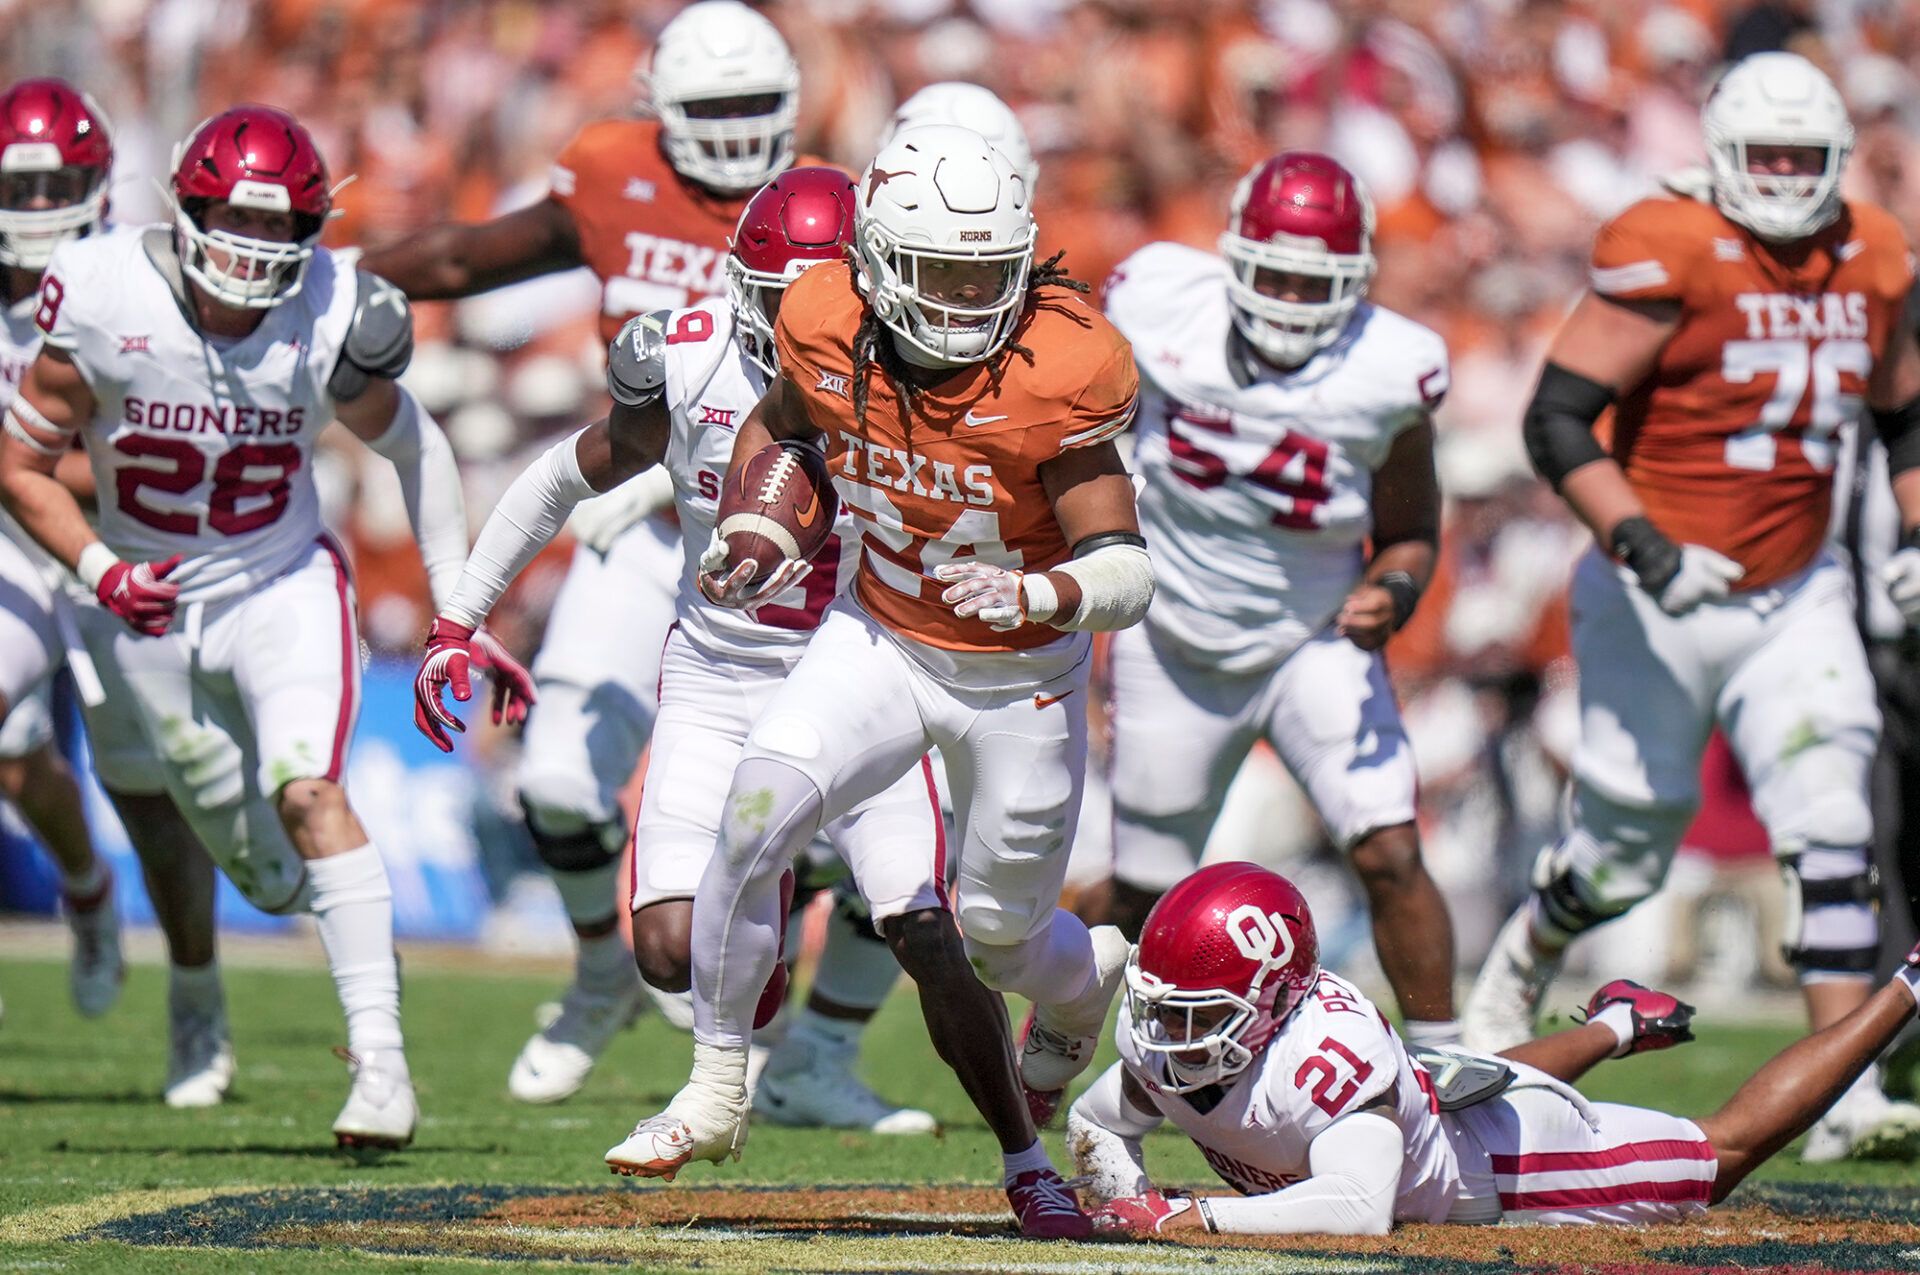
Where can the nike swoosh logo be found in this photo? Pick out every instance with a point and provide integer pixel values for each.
(1048, 701)
(805, 517)
(982, 420)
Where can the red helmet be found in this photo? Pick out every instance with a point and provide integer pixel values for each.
(1228, 953)
(54, 154)
(1297, 214)
(799, 219)
(259, 158)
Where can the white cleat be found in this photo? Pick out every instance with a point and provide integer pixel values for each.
(661, 1146)
(1059, 1041)
(199, 1060)
(381, 1111)
(556, 1062)
(97, 969)
(1505, 999)
(1864, 1125)
(810, 1085)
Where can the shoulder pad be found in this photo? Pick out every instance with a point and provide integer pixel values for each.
(379, 338)
(637, 359)
(1462, 1079)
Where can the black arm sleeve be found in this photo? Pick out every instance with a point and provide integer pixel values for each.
(1558, 428)
(1899, 429)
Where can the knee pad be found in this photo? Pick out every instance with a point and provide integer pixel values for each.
(998, 924)
(1819, 802)
(586, 849)
(999, 966)
(565, 804)
(1833, 923)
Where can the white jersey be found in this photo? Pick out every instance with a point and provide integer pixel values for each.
(1258, 483)
(711, 386)
(200, 446)
(1335, 1054)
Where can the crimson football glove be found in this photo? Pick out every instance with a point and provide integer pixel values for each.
(1140, 1214)
(453, 651)
(141, 594)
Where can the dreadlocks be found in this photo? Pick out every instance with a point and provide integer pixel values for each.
(871, 347)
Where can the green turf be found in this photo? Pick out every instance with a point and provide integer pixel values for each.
(80, 1114)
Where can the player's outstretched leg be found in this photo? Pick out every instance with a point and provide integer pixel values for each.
(808, 1079)
(40, 784)
(352, 905)
(1412, 932)
(180, 882)
(772, 812)
(1786, 1096)
(970, 1032)
(1071, 975)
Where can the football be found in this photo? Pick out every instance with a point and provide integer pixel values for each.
(779, 505)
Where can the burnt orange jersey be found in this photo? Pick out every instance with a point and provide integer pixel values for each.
(1730, 440)
(961, 478)
(656, 240)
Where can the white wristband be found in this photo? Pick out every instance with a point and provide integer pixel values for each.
(95, 561)
(1038, 597)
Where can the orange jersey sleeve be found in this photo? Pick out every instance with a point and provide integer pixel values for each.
(1730, 440)
(657, 241)
(958, 476)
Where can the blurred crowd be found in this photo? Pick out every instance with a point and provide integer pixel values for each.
(1493, 134)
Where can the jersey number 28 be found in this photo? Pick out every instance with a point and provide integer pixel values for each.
(259, 474)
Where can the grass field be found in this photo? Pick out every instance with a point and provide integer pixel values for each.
(96, 1175)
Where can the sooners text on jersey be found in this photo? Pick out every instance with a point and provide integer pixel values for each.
(1730, 440)
(1334, 1055)
(198, 447)
(961, 477)
(1258, 483)
(657, 241)
(711, 386)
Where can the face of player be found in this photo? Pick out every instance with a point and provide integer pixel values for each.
(1183, 1023)
(1771, 160)
(964, 285)
(37, 192)
(1292, 287)
(246, 223)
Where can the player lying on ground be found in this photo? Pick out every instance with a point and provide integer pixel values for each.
(1301, 1096)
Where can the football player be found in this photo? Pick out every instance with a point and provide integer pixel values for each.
(968, 404)
(649, 205)
(682, 381)
(198, 362)
(55, 152)
(969, 106)
(1286, 450)
(1303, 1098)
(1731, 333)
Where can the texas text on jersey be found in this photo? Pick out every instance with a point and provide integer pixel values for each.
(1258, 482)
(1730, 442)
(198, 448)
(711, 385)
(657, 240)
(1334, 1055)
(958, 476)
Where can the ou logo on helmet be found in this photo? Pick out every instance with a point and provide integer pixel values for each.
(1260, 936)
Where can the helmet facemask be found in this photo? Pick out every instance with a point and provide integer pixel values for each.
(950, 305)
(241, 271)
(71, 200)
(1777, 207)
(754, 295)
(733, 142)
(1289, 332)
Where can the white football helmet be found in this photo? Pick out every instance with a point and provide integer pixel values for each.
(711, 52)
(974, 107)
(945, 238)
(1776, 99)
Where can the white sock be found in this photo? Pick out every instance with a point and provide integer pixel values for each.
(832, 1033)
(196, 989)
(1034, 1157)
(353, 907)
(590, 896)
(855, 969)
(1431, 1031)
